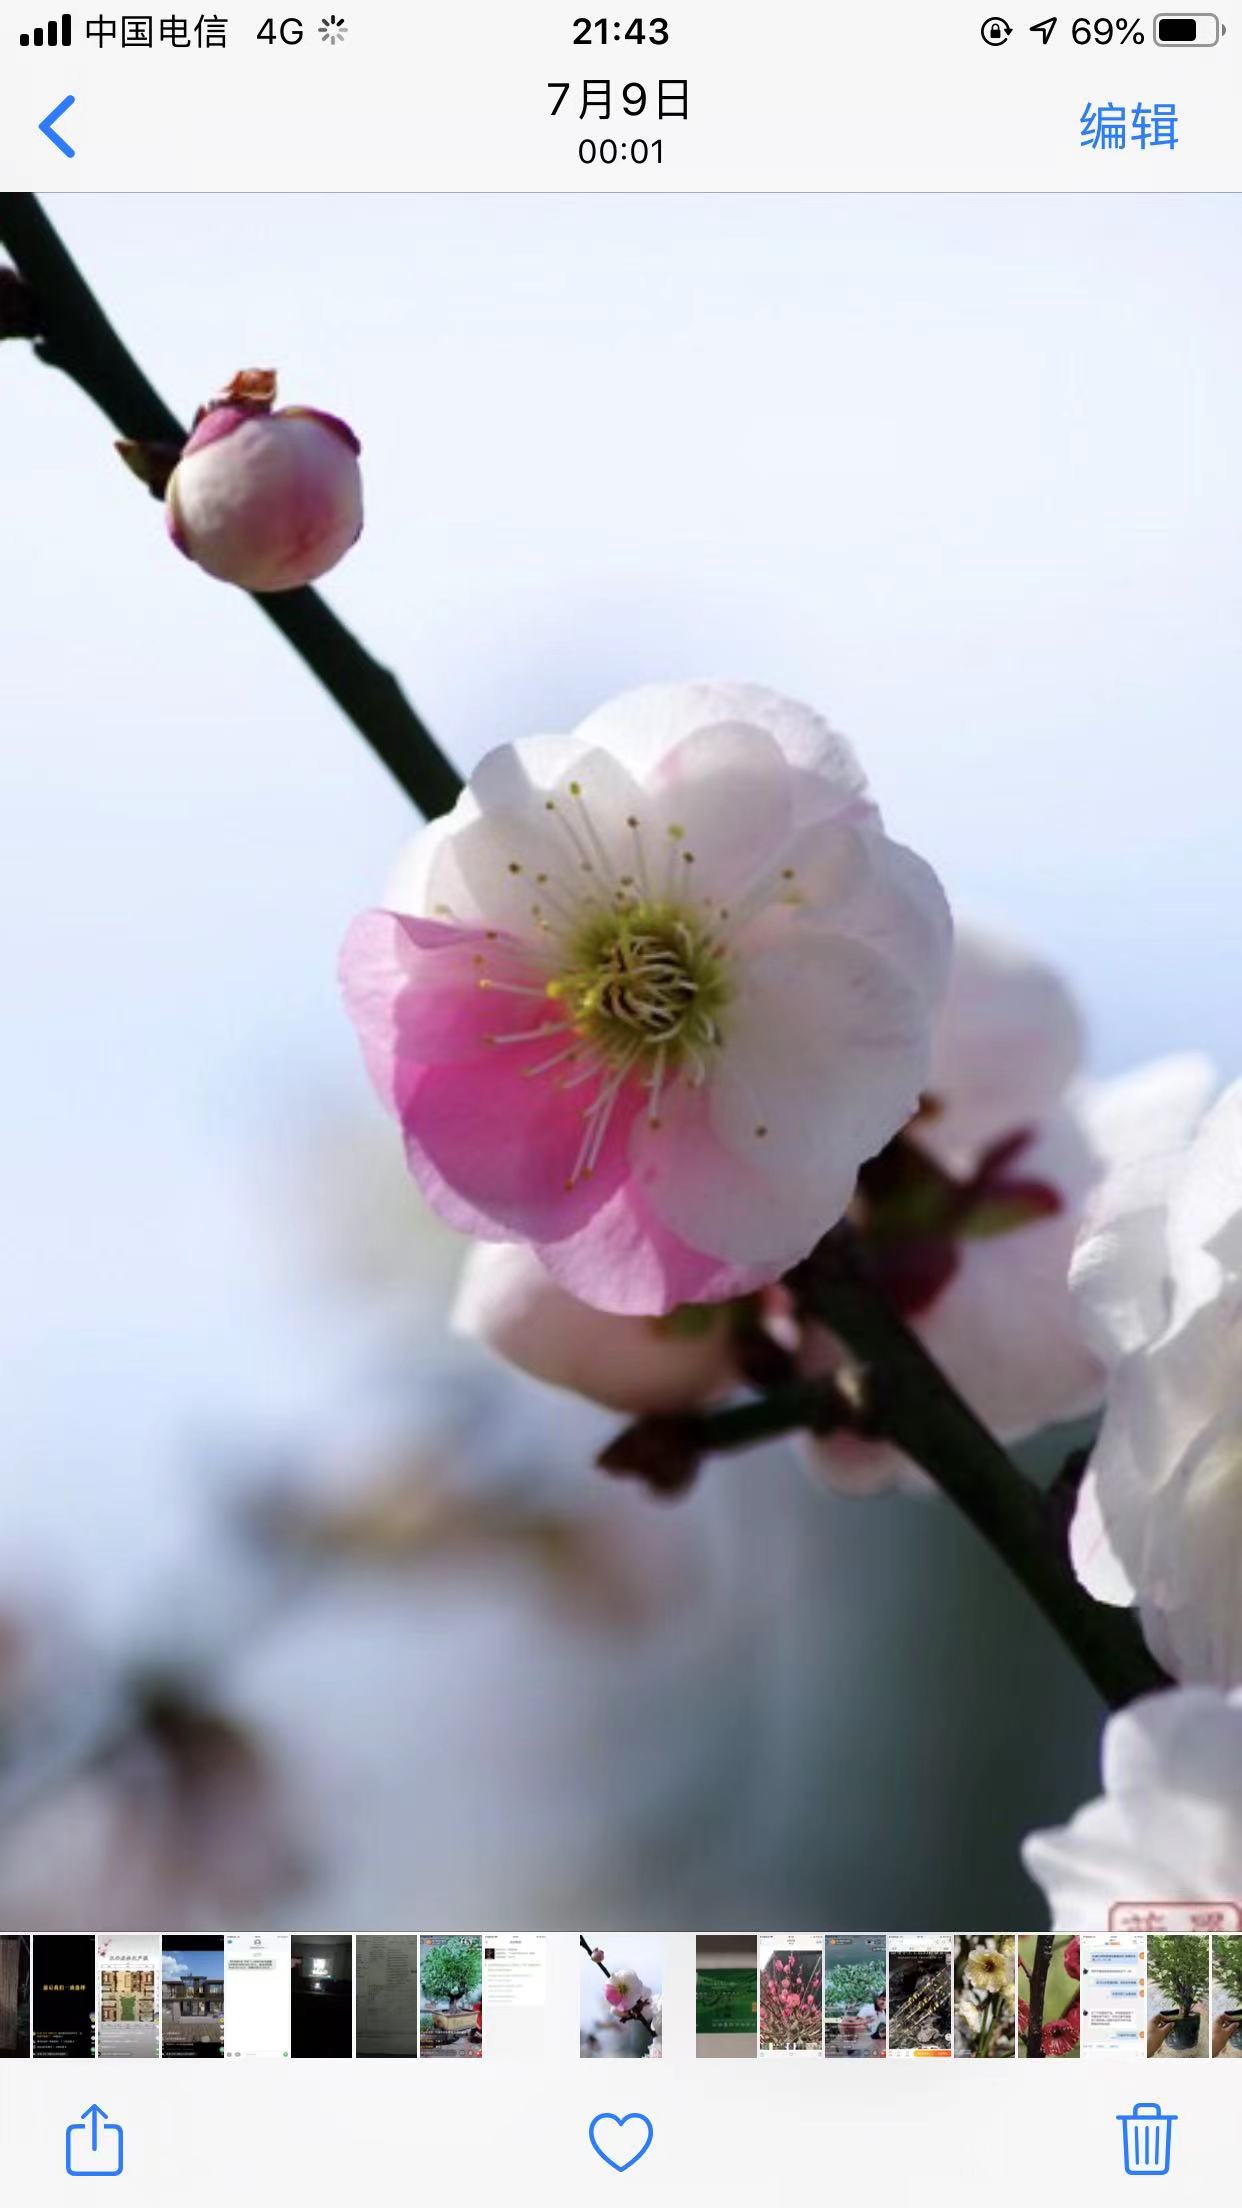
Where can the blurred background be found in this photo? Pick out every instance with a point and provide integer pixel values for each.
(307, 1612)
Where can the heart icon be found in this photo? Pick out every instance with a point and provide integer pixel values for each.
(615, 2153)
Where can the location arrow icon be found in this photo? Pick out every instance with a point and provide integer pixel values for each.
(61, 144)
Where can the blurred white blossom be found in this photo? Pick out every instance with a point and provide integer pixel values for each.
(1168, 1824)
(979, 1261)
(1158, 1278)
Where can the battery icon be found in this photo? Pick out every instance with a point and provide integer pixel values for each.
(1187, 30)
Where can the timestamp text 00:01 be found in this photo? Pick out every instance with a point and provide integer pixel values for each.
(626, 149)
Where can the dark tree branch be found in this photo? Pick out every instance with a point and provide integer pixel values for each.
(75, 335)
(912, 1402)
(907, 1400)
(1036, 1989)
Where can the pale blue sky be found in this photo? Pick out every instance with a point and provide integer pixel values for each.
(964, 473)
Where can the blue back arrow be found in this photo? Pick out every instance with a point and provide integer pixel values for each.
(62, 144)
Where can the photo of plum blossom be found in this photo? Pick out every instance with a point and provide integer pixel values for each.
(1049, 2019)
(791, 1994)
(984, 2000)
(620, 1997)
(624, 1112)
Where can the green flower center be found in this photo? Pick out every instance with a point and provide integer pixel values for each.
(648, 978)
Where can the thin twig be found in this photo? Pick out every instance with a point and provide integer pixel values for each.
(75, 335)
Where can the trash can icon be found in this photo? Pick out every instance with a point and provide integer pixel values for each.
(1147, 2139)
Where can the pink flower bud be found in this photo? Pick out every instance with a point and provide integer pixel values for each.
(507, 1300)
(265, 498)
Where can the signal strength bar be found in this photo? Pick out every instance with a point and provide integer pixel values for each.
(56, 34)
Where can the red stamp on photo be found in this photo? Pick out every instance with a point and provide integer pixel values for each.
(1175, 1916)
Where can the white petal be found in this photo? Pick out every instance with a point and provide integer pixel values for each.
(1168, 1826)
(496, 870)
(1168, 1467)
(1004, 1330)
(826, 1049)
(408, 884)
(1119, 1270)
(1205, 1205)
(1092, 1554)
(506, 776)
(867, 886)
(643, 725)
(1189, 1741)
(1155, 1107)
(725, 795)
(1189, 1573)
(1007, 1042)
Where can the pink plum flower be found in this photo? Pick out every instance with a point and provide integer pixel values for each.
(508, 1300)
(624, 1990)
(972, 1216)
(265, 497)
(651, 993)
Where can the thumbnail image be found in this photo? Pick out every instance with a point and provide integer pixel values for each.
(386, 1968)
(14, 1994)
(984, 1999)
(1179, 1978)
(1112, 2008)
(321, 2016)
(791, 1993)
(515, 1994)
(1227, 1994)
(193, 1994)
(1049, 1968)
(620, 1996)
(63, 1995)
(726, 1998)
(450, 2019)
(129, 1975)
(855, 1995)
(256, 1995)
(920, 1995)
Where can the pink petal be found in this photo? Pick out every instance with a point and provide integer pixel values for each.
(753, 1212)
(411, 988)
(624, 1259)
(507, 1299)
(494, 1152)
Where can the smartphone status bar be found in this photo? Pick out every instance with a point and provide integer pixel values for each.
(706, 95)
